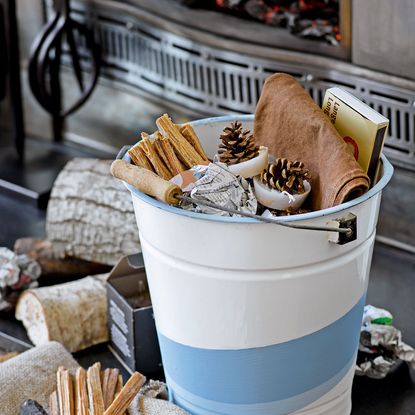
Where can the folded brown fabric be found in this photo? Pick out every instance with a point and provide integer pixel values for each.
(291, 125)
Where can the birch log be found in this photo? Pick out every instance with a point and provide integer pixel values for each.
(74, 313)
(90, 214)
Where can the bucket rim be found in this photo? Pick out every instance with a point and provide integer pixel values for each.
(378, 187)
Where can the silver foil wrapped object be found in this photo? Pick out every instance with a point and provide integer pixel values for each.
(216, 184)
(17, 272)
(9, 269)
(381, 347)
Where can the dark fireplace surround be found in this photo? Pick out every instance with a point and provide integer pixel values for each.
(213, 63)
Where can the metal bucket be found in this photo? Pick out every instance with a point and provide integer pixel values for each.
(255, 318)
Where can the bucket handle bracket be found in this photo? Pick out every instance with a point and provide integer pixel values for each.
(350, 222)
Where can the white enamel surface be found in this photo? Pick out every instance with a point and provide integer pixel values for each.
(247, 245)
(253, 167)
(279, 200)
(255, 308)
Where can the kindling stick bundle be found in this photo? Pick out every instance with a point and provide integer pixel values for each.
(93, 392)
(170, 150)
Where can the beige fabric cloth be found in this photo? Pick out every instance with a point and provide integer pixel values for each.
(32, 375)
(291, 125)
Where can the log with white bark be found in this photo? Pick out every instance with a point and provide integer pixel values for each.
(74, 313)
(90, 214)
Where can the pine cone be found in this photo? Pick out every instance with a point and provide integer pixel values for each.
(285, 175)
(237, 145)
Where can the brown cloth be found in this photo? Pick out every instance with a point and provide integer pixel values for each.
(291, 125)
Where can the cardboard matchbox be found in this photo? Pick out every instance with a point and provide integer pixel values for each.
(363, 128)
(133, 336)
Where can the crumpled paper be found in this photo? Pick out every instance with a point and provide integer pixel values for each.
(17, 272)
(376, 315)
(216, 184)
(381, 346)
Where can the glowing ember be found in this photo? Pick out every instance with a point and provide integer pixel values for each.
(312, 19)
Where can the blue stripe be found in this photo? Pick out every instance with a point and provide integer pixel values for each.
(200, 406)
(265, 374)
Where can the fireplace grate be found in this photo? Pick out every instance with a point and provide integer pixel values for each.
(215, 81)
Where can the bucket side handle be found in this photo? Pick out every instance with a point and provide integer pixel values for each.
(341, 231)
(348, 221)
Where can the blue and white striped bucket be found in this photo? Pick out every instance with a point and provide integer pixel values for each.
(254, 318)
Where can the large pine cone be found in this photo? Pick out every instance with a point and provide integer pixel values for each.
(237, 145)
(285, 175)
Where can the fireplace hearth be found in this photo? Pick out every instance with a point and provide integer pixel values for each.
(190, 59)
(308, 19)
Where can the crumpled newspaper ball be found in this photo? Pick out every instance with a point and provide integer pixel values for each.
(17, 272)
(381, 347)
(9, 269)
(216, 184)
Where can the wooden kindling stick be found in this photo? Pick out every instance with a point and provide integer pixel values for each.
(109, 384)
(54, 404)
(126, 395)
(118, 388)
(120, 385)
(96, 401)
(81, 392)
(65, 392)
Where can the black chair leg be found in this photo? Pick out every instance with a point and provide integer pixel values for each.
(11, 71)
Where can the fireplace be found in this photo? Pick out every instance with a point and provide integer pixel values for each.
(205, 24)
(308, 19)
(209, 62)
